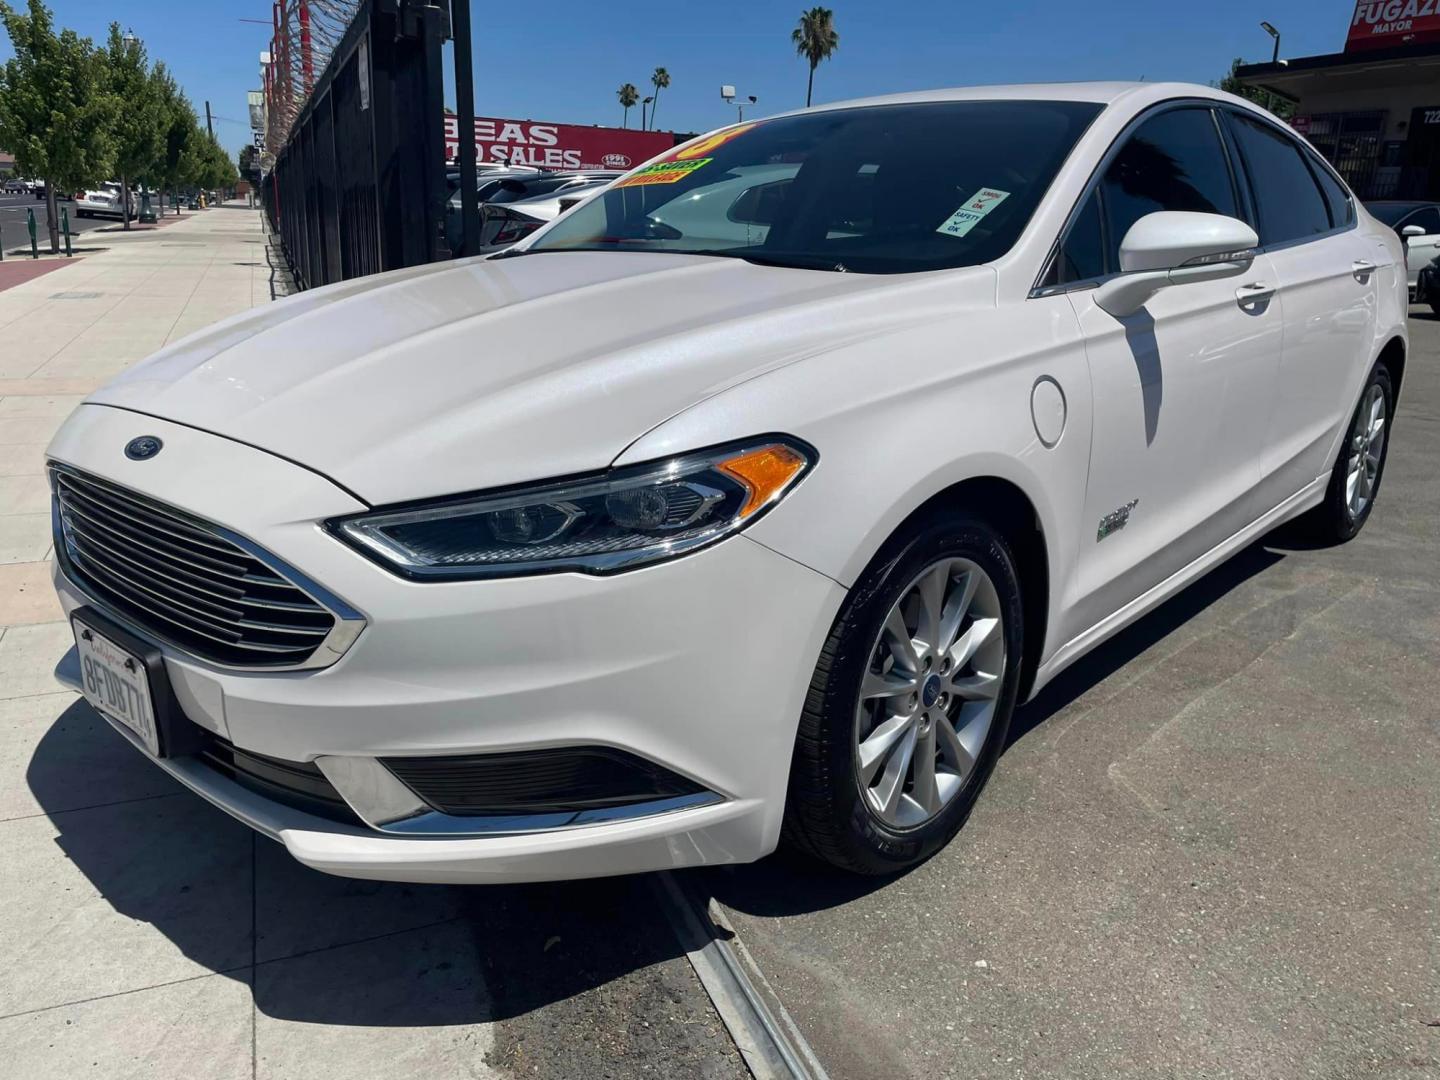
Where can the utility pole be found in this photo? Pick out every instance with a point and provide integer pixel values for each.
(465, 127)
(209, 123)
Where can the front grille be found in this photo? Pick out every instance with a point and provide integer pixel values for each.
(182, 579)
(559, 780)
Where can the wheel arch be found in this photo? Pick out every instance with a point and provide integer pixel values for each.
(1006, 505)
(1392, 355)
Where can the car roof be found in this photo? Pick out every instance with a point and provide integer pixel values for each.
(1100, 93)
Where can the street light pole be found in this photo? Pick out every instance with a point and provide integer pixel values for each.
(644, 124)
(1275, 55)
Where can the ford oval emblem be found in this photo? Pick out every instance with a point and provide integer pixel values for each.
(143, 448)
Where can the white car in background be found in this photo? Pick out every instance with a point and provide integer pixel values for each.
(650, 540)
(104, 201)
(1418, 224)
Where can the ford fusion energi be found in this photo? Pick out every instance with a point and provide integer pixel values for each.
(743, 502)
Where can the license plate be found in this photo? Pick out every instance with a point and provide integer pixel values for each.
(116, 684)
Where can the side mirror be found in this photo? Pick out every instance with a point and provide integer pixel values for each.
(1412, 230)
(1175, 247)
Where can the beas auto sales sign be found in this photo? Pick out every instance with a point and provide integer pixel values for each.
(557, 146)
(1386, 24)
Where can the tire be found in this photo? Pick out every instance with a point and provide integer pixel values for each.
(832, 812)
(1435, 305)
(1341, 516)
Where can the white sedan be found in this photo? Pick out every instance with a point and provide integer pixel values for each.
(645, 544)
(104, 201)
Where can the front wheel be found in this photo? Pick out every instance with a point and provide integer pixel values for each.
(910, 700)
(1355, 480)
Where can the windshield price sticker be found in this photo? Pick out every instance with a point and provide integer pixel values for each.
(663, 172)
(975, 208)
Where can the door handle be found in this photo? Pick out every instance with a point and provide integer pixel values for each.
(1361, 270)
(1257, 292)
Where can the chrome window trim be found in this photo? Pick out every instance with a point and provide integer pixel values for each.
(349, 623)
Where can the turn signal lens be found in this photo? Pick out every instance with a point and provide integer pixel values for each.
(614, 521)
(766, 473)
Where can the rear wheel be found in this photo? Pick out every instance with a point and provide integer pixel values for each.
(1355, 480)
(910, 701)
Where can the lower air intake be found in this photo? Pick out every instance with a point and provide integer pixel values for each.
(560, 780)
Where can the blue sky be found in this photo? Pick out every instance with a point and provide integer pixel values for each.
(562, 61)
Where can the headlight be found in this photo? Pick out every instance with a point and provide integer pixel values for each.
(620, 519)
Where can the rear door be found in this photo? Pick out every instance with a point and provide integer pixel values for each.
(1327, 275)
(1183, 387)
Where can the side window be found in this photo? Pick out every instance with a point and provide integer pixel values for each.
(1174, 161)
(1342, 210)
(1291, 206)
(1428, 219)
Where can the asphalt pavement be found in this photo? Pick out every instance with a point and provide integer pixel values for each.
(14, 234)
(1212, 848)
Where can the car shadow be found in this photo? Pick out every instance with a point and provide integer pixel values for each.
(321, 949)
(787, 884)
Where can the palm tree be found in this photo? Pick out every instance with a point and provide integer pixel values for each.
(661, 79)
(815, 39)
(628, 96)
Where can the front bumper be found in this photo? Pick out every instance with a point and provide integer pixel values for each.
(699, 665)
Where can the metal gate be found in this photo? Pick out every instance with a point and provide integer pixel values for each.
(358, 185)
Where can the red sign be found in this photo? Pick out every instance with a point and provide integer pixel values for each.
(557, 146)
(1386, 24)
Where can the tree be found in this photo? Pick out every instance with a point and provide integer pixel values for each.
(1231, 84)
(628, 96)
(217, 169)
(661, 80)
(815, 39)
(137, 126)
(249, 162)
(180, 128)
(56, 111)
(177, 127)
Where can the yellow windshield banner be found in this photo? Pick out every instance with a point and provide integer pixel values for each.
(662, 172)
(678, 164)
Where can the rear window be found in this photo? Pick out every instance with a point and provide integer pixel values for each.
(883, 189)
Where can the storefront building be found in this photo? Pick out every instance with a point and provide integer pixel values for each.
(1374, 109)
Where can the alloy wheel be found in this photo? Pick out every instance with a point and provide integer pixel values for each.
(929, 693)
(1367, 449)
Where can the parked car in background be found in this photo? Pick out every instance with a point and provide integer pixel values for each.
(531, 188)
(15, 186)
(1418, 224)
(104, 201)
(1427, 286)
(653, 538)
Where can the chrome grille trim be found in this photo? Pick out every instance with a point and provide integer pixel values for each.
(192, 584)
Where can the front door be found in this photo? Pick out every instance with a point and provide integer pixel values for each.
(1182, 388)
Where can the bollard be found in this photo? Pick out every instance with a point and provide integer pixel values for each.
(30, 224)
(65, 228)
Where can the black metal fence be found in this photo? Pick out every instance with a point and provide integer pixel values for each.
(359, 186)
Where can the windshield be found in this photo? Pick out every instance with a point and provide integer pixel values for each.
(880, 189)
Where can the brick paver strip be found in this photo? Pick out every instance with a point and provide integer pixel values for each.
(18, 271)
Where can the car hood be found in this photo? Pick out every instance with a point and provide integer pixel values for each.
(462, 376)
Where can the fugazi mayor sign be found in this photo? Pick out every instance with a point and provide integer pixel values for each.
(557, 146)
(1387, 24)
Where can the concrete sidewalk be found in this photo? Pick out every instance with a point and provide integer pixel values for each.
(146, 934)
